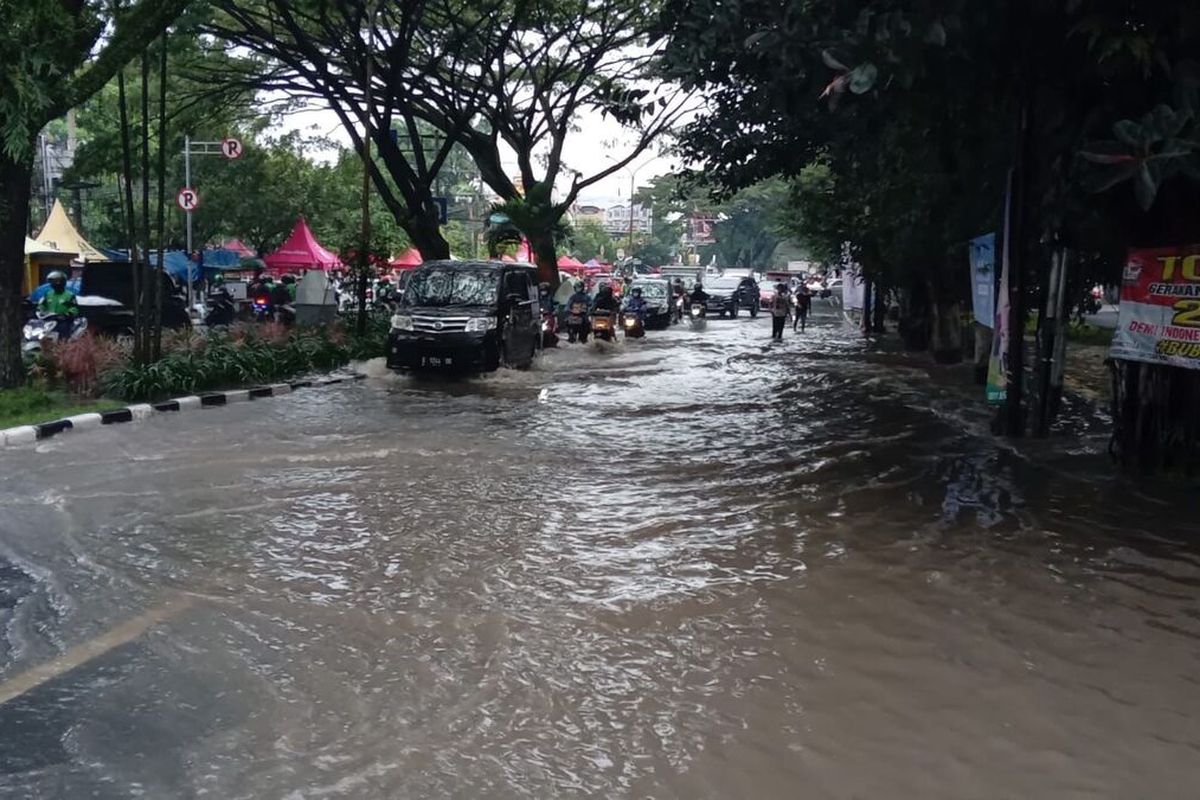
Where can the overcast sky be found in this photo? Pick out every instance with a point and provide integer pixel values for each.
(598, 142)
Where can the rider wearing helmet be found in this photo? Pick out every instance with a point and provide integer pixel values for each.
(580, 296)
(636, 304)
(699, 295)
(605, 299)
(545, 298)
(59, 302)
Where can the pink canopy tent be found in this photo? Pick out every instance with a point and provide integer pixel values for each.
(239, 247)
(409, 259)
(301, 251)
(508, 259)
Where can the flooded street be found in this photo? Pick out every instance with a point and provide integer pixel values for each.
(694, 566)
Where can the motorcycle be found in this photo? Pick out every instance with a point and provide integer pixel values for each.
(549, 328)
(634, 325)
(262, 308)
(221, 311)
(45, 327)
(678, 309)
(603, 325)
(697, 319)
(577, 329)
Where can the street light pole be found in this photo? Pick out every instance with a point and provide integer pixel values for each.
(632, 178)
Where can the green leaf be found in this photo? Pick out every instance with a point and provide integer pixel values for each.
(936, 35)
(832, 62)
(1145, 187)
(863, 77)
(1129, 132)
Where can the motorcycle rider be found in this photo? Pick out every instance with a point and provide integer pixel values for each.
(259, 284)
(59, 302)
(606, 300)
(678, 293)
(699, 297)
(289, 283)
(220, 303)
(545, 299)
(636, 304)
(579, 299)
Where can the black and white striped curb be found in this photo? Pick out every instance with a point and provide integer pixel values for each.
(28, 434)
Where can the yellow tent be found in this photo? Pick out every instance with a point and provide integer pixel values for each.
(59, 232)
(40, 260)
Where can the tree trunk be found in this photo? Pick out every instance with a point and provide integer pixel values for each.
(1051, 345)
(866, 309)
(916, 318)
(880, 311)
(16, 177)
(1155, 424)
(946, 340)
(545, 255)
(426, 234)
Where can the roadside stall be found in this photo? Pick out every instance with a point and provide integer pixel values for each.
(300, 253)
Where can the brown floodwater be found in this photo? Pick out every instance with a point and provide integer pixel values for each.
(696, 566)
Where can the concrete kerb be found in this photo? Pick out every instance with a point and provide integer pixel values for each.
(29, 434)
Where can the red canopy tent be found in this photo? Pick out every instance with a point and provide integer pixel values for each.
(301, 251)
(237, 246)
(409, 259)
(571, 265)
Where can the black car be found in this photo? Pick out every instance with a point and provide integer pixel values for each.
(657, 294)
(106, 299)
(749, 296)
(470, 316)
(728, 296)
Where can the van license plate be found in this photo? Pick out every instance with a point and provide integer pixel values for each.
(435, 361)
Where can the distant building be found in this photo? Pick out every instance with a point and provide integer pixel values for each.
(588, 213)
(698, 229)
(616, 220)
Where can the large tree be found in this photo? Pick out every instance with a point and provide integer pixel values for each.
(498, 78)
(56, 53)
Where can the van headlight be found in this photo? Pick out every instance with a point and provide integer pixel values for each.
(481, 324)
(402, 322)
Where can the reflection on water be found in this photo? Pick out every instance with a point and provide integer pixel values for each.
(696, 565)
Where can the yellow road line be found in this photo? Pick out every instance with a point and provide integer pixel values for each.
(80, 654)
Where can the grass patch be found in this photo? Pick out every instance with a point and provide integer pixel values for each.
(29, 406)
(1089, 334)
(1077, 332)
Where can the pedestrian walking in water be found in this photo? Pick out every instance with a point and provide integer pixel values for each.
(781, 310)
(803, 305)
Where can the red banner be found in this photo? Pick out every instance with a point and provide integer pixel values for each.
(1160, 308)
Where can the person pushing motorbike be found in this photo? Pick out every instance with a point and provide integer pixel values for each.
(59, 302)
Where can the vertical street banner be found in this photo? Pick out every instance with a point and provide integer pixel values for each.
(1160, 308)
(997, 376)
(983, 278)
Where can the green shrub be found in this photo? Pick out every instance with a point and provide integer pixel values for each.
(225, 361)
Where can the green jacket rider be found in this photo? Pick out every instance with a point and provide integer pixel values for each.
(59, 300)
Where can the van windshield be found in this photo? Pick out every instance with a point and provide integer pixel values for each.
(452, 287)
